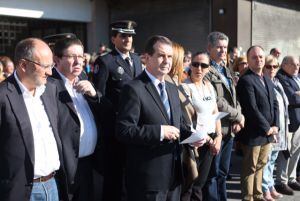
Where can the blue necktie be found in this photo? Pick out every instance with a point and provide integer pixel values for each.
(164, 98)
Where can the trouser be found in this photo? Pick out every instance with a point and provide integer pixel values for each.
(44, 191)
(82, 189)
(268, 181)
(215, 186)
(255, 159)
(286, 168)
(194, 192)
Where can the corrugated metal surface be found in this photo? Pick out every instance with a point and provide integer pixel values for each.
(277, 24)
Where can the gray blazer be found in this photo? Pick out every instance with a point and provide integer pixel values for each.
(226, 99)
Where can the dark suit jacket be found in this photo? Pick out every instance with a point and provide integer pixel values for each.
(16, 140)
(69, 125)
(259, 106)
(111, 74)
(150, 162)
(290, 86)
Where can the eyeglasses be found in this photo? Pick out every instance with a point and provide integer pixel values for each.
(271, 66)
(198, 64)
(41, 65)
(73, 56)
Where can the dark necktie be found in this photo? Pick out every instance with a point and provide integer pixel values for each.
(164, 98)
(128, 61)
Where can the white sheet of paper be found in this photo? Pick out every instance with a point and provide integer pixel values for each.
(196, 136)
(202, 127)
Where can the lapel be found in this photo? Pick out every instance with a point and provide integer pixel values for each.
(20, 111)
(219, 76)
(153, 92)
(64, 96)
(136, 64)
(52, 114)
(269, 91)
(121, 62)
(172, 98)
(260, 85)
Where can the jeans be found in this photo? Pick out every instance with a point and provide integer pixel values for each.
(215, 187)
(268, 181)
(44, 191)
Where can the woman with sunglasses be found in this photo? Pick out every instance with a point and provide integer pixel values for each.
(202, 96)
(270, 69)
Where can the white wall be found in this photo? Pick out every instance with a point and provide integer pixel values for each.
(70, 10)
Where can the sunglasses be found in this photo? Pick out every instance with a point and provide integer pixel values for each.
(271, 66)
(198, 64)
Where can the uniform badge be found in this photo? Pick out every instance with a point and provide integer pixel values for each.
(120, 70)
(96, 69)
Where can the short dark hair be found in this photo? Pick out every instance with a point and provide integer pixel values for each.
(200, 53)
(63, 44)
(149, 48)
(253, 46)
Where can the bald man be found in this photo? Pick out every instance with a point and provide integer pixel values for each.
(30, 149)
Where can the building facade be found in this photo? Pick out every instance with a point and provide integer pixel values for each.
(268, 23)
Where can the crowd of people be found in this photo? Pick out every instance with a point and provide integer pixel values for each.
(65, 114)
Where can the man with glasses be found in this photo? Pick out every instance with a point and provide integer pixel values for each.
(288, 77)
(78, 129)
(112, 72)
(30, 147)
(220, 77)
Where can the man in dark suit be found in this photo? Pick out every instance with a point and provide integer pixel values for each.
(30, 147)
(260, 108)
(112, 72)
(78, 129)
(288, 77)
(149, 123)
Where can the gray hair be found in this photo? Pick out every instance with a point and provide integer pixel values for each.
(286, 60)
(25, 49)
(215, 36)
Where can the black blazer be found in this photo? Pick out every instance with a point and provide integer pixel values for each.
(16, 141)
(290, 86)
(150, 162)
(259, 106)
(111, 74)
(69, 125)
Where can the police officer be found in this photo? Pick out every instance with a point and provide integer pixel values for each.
(112, 71)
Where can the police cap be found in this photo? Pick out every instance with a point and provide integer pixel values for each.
(124, 26)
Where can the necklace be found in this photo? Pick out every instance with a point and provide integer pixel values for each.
(201, 88)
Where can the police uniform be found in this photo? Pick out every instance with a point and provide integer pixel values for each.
(111, 73)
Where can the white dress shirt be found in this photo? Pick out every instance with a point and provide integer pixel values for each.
(45, 147)
(88, 129)
(155, 82)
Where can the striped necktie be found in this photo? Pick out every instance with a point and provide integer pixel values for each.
(164, 98)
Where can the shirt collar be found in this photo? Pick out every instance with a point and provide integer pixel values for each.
(218, 67)
(124, 56)
(154, 80)
(66, 80)
(39, 90)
